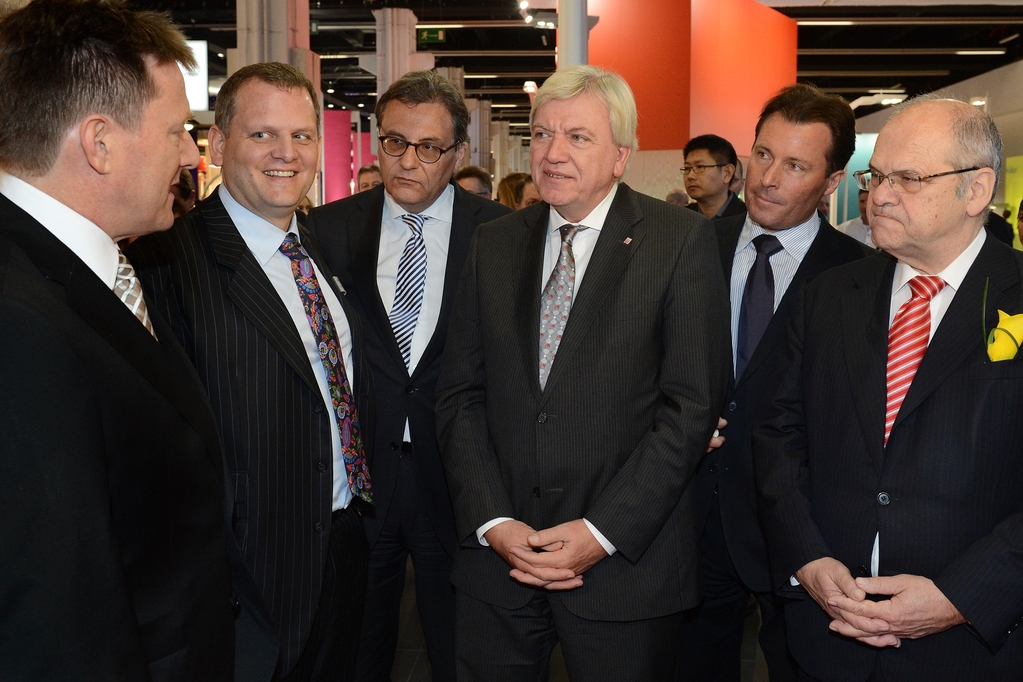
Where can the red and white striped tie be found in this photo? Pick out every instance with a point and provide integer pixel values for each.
(907, 343)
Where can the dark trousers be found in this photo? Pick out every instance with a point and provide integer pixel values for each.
(712, 633)
(407, 530)
(329, 654)
(515, 645)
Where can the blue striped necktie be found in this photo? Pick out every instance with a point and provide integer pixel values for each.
(409, 286)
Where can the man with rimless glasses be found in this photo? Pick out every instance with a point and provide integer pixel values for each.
(398, 250)
(889, 469)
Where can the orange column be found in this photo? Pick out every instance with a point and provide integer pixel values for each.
(647, 42)
(742, 53)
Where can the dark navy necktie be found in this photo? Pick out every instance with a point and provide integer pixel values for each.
(757, 301)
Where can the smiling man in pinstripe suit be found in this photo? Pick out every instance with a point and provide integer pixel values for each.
(278, 350)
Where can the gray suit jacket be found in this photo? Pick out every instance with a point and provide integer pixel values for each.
(629, 406)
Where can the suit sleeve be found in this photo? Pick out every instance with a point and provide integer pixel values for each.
(645, 491)
(470, 460)
(67, 611)
(781, 464)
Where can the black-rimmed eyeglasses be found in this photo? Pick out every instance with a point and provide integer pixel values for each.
(901, 181)
(700, 170)
(428, 152)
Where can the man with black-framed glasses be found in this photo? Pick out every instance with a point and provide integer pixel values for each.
(398, 250)
(889, 468)
(710, 165)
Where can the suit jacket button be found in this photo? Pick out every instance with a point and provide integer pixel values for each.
(883, 499)
(394, 446)
(410, 389)
(536, 492)
(318, 527)
(713, 468)
(321, 467)
(542, 417)
(318, 408)
(236, 606)
(732, 406)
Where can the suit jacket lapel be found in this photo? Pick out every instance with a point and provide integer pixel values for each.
(252, 292)
(864, 318)
(528, 283)
(728, 230)
(100, 308)
(610, 256)
(960, 332)
(463, 225)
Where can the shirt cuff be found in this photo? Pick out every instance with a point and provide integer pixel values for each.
(604, 542)
(793, 581)
(481, 531)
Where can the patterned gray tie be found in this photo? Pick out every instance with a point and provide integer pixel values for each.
(556, 302)
(128, 288)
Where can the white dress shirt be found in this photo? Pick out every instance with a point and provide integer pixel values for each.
(394, 234)
(582, 248)
(264, 240)
(858, 230)
(795, 242)
(81, 235)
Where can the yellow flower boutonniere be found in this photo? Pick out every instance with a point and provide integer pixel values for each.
(1003, 342)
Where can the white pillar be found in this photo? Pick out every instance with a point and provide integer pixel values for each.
(573, 33)
(274, 31)
(396, 47)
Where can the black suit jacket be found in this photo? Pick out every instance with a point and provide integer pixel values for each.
(735, 207)
(112, 542)
(348, 232)
(729, 469)
(629, 405)
(945, 494)
(275, 426)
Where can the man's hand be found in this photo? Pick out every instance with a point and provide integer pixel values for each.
(558, 555)
(917, 609)
(828, 581)
(717, 440)
(509, 540)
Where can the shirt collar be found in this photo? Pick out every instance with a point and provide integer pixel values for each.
(84, 237)
(595, 219)
(795, 240)
(731, 195)
(263, 238)
(953, 275)
(441, 209)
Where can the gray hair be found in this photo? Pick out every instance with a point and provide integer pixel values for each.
(608, 87)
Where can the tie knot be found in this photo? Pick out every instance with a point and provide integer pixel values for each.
(291, 248)
(767, 244)
(415, 222)
(124, 268)
(926, 286)
(568, 232)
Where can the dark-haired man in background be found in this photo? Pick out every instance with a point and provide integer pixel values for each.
(475, 180)
(710, 165)
(112, 536)
(398, 250)
(804, 138)
(279, 353)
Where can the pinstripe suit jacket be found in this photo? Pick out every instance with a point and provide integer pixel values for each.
(348, 233)
(274, 424)
(951, 474)
(630, 402)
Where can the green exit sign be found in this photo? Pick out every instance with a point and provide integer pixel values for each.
(430, 35)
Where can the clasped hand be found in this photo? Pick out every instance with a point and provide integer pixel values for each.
(554, 558)
(917, 608)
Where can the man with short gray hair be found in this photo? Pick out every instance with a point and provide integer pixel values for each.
(889, 469)
(570, 476)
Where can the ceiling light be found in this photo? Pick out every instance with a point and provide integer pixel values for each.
(189, 126)
(1006, 39)
(361, 105)
(524, 4)
(440, 25)
(221, 54)
(978, 101)
(330, 106)
(888, 91)
(824, 23)
(480, 75)
(529, 87)
(965, 53)
(330, 91)
(503, 106)
(524, 125)
(529, 18)
(891, 100)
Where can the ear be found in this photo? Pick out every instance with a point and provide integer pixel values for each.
(833, 181)
(97, 136)
(216, 139)
(460, 154)
(623, 158)
(728, 172)
(979, 192)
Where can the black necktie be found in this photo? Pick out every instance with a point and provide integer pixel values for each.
(757, 301)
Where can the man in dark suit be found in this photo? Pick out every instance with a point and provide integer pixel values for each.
(710, 165)
(573, 473)
(278, 351)
(423, 126)
(113, 563)
(892, 454)
(799, 128)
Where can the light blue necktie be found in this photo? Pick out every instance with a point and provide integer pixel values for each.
(409, 286)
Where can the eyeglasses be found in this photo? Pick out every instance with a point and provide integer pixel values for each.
(427, 152)
(901, 181)
(700, 170)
